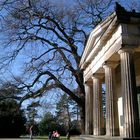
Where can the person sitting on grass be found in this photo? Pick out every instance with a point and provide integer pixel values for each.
(55, 135)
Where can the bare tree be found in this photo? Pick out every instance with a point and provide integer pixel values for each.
(51, 37)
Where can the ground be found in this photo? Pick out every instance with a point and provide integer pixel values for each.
(42, 138)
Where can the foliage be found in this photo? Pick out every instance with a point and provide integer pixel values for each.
(32, 113)
(66, 112)
(65, 119)
(48, 124)
(11, 115)
(9, 90)
(11, 118)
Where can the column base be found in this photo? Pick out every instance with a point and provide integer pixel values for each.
(101, 132)
(115, 133)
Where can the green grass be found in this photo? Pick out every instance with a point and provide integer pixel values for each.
(63, 138)
(44, 137)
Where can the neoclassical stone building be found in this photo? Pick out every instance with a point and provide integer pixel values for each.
(111, 60)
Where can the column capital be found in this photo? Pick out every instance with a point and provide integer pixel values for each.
(111, 64)
(128, 50)
(88, 83)
(98, 76)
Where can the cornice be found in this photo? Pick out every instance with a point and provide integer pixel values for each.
(97, 32)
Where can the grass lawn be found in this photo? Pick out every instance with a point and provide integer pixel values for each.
(61, 137)
(44, 137)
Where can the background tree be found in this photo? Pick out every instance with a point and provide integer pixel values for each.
(48, 124)
(66, 112)
(9, 90)
(11, 115)
(50, 37)
(32, 113)
(32, 117)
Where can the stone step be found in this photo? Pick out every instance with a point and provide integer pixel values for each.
(91, 137)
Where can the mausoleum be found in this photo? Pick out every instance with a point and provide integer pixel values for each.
(111, 60)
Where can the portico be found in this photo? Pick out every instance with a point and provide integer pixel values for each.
(111, 59)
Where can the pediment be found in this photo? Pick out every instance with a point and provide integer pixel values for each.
(98, 36)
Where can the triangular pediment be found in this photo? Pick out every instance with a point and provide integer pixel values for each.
(98, 36)
(101, 34)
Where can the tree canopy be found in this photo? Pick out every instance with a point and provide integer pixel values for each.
(66, 112)
(12, 117)
(48, 124)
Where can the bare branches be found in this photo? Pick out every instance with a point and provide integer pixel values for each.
(47, 86)
(51, 38)
(58, 34)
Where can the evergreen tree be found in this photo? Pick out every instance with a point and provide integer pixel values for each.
(48, 124)
(67, 112)
(12, 119)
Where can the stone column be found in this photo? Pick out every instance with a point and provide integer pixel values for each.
(111, 104)
(88, 109)
(129, 93)
(97, 106)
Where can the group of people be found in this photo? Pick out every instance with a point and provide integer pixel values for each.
(54, 135)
